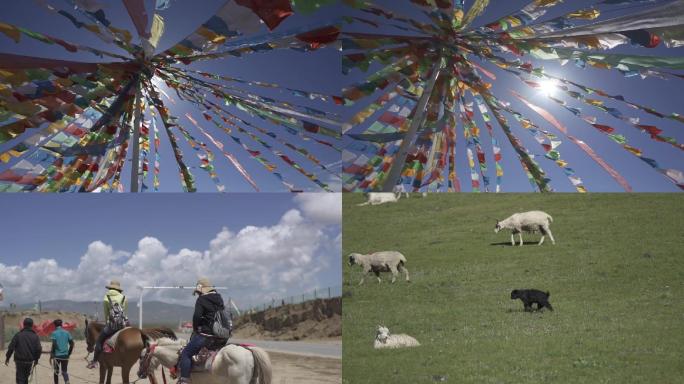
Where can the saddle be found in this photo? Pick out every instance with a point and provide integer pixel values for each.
(204, 359)
(109, 343)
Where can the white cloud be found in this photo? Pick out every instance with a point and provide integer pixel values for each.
(256, 264)
(325, 208)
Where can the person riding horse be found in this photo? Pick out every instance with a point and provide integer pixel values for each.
(207, 305)
(115, 307)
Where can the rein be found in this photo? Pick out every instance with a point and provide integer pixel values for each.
(148, 357)
(147, 360)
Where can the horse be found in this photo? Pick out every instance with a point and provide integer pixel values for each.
(233, 364)
(130, 343)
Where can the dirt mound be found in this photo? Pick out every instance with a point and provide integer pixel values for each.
(315, 319)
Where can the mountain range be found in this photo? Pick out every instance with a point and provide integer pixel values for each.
(154, 312)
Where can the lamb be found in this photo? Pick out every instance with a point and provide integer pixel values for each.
(531, 221)
(532, 296)
(383, 339)
(386, 261)
(376, 198)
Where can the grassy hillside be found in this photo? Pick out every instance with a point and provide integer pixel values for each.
(616, 278)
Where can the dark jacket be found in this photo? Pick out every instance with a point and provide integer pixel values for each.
(206, 307)
(25, 346)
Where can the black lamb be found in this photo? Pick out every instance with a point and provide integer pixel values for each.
(531, 296)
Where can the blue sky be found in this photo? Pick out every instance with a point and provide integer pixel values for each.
(663, 95)
(258, 245)
(287, 68)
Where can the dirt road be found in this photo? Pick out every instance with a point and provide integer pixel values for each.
(316, 348)
(287, 369)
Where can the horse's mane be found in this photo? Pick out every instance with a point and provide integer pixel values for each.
(158, 333)
(162, 341)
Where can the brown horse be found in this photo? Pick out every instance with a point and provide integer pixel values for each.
(129, 344)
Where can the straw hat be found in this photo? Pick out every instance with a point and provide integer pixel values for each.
(114, 284)
(203, 286)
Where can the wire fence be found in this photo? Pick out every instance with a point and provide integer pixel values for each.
(276, 302)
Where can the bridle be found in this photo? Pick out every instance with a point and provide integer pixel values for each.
(145, 361)
(89, 342)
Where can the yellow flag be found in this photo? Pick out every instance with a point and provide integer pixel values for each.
(157, 30)
(474, 11)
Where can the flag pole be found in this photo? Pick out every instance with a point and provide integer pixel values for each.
(135, 161)
(400, 157)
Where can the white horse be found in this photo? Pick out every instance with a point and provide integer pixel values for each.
(233, 364)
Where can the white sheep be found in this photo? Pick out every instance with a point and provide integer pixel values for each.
(386, 261)
(376, 198)
(399, 190)
(531, 221)
(383, 339)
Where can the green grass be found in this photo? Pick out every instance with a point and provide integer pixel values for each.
(616, 277)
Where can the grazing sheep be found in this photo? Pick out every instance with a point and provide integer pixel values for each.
(383, 339)
(386, 261)
(532, 296)
(399, 190)
(531, 221)
(376, 198)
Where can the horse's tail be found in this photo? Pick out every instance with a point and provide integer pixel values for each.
(262, 366)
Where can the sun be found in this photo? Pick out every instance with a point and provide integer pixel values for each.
(548, 87)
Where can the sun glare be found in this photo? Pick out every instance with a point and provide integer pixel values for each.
(548, 87)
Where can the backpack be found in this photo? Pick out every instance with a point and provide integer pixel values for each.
(223, 324)
(117, 317)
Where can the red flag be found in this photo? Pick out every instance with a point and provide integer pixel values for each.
(47, 327)
(604, 128)
(272, 12)
(320, 36)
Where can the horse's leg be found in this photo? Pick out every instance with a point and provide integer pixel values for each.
(110, 371)
(103, 372)
(125, 372)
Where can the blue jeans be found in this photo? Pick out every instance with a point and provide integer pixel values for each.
(195, 344)
(107, 331)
